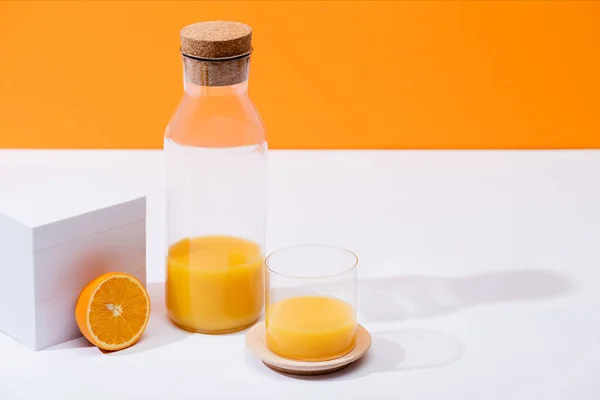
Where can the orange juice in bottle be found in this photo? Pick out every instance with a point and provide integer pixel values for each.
(216, 165)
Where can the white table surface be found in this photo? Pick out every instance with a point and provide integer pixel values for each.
(479, 280)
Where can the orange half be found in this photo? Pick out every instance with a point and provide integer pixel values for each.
(113, 310)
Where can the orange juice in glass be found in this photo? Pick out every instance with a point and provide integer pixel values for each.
(311, 302)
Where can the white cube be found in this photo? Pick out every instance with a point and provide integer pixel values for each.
(54, 239)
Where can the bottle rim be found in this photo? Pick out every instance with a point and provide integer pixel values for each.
(221, 59)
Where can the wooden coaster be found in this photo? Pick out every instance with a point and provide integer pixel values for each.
(255, 341)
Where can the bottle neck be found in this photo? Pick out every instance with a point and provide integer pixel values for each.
(202, 77)
(195, 90)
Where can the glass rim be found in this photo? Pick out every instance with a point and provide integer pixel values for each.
(354, 264)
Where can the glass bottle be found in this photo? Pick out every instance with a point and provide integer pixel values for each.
(216, 169)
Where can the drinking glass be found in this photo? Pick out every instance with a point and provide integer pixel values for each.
(311, 297)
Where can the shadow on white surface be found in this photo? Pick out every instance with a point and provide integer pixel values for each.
(393, 351)
(160, 331)
(410, 297)
(78, 343)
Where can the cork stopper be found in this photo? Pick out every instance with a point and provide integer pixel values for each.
(216, 52)
(216, 39)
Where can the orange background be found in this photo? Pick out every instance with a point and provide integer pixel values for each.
(324, 74)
